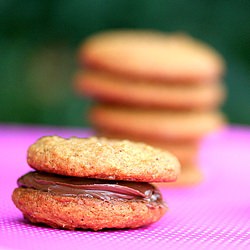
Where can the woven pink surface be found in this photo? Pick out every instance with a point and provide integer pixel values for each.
(212, 215)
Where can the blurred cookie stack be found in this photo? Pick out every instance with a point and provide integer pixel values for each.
(162, 89)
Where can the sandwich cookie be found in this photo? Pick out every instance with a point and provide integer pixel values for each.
(94, 183)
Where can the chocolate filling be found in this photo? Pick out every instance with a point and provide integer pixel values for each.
(93, 188)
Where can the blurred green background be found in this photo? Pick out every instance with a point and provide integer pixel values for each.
(39, 41)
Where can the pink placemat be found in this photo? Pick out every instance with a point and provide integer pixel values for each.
(212, 215)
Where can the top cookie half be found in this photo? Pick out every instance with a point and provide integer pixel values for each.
(102, 158)
(152, 55)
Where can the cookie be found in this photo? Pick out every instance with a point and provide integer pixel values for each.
(190, 176)
(93, 183)
(114, 89)
(155, 124)
(62, 202)
(102, 158)
(152, 55)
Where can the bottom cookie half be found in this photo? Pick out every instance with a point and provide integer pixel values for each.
(83, 212)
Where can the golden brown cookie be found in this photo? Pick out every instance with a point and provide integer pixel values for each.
(48, 199)
(152, 55)
(155, 124)
(102, 158)
(115, 89)
(93, 183)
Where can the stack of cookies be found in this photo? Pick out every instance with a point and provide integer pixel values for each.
(162, 89)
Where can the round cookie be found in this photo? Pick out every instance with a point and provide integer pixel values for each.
(150, 124)
(42, 199)
(115, 89)
(152, 55)
(102, 158)
(190, 175)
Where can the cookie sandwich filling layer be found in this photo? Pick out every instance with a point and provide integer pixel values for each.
(91, 188)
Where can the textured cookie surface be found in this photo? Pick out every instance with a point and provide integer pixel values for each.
(152, 55)
(102, 158)
(155, 124)
(87, 213)
(108, 88)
